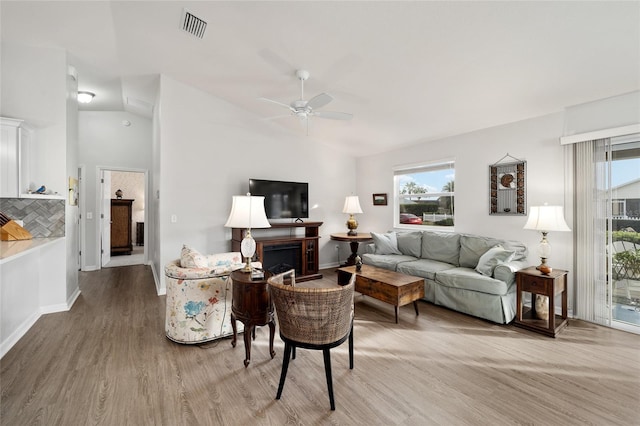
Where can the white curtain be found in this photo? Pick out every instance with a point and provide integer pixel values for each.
(592, 221)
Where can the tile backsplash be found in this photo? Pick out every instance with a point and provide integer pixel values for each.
(42, 218)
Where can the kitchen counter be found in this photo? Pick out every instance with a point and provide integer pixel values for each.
(10, 250)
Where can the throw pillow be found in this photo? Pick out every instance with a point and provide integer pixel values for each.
(191, 258)
(492, 258)
(385, 243)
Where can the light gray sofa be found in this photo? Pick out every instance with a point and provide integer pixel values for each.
(449, 264)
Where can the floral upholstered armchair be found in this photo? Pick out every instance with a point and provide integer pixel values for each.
(199, 296)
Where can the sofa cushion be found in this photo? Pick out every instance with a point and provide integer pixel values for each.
(469, 279)
(386, 261)
(410, 243)
(191, 258)
(425, 268)
(492, 258)
(441, 246)
(474, 246)
(385, 243)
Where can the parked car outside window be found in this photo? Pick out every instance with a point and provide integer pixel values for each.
(409, 218)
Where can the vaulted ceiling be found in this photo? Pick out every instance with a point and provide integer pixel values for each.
(408, 71)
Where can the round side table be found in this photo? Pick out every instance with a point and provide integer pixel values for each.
(253, 307)
(354, 241)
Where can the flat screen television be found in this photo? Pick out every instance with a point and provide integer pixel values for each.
(282, 200)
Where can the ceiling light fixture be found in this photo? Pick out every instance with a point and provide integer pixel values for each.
(85, 97)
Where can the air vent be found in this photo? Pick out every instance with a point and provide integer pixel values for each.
(192, 24)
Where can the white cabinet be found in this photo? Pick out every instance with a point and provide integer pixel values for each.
(14, 157)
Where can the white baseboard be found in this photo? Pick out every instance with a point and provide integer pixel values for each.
(72, 299)
(20, 331)
(90, 268)
(160, 290)
(29, 322)
(330, 265)
(61, 307)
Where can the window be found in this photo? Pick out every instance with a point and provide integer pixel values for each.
(424, 195)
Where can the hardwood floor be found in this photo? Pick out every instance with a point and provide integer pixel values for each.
(108, 362)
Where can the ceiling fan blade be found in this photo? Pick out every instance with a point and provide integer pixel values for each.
(333, 115)
(277, 103)
(319, 101)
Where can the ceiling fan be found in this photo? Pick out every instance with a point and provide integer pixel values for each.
(307, 109)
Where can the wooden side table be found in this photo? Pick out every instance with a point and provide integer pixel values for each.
(354, 241)
(535, 282)
(253, 307)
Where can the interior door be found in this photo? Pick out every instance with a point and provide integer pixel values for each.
(106, 217)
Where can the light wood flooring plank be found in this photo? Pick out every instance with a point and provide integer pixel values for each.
(108, 362)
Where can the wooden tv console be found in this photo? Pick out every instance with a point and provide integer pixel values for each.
(306, 247)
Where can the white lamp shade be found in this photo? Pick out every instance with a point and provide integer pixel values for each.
(247, 211)
(546, 218)
(352, 205)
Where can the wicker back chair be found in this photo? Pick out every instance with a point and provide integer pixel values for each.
(285, 278)
(312, 318)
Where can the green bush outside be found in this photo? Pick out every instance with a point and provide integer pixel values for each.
(418, 209)
(632, 237)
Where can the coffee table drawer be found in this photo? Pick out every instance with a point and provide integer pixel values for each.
(382, 291)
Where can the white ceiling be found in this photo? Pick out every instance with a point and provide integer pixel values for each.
(408, 71)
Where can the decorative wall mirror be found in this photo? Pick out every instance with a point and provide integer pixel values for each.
(507, 194)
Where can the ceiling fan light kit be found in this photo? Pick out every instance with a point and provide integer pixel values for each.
(307, 109)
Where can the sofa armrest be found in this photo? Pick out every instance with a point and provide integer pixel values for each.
(174, 270)
(507, 271)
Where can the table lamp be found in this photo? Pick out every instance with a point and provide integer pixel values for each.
(352, 206)
(544, 219)
(247, 211)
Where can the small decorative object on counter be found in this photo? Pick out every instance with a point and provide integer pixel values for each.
(358, 263)
(41, 190)
(119, 194)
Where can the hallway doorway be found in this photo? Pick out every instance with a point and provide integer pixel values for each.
(123, 238)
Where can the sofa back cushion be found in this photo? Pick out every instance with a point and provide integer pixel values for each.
(441, 246)
(410, 243)
(474, 246)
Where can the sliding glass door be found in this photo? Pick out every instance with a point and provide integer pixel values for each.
(624, 238)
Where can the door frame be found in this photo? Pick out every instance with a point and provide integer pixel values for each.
(101, 213)
(82, 227)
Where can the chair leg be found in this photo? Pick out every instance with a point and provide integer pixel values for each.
(293, 350)
(285, 367)
(351, 348)
(327, 370)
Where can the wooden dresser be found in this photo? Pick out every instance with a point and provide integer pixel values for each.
(121, 241)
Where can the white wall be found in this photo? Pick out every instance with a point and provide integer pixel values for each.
(209, 151)
(33, 283)
(608, 113)
(106, 143)
(548, 181)
(36, 87)
(152, 228)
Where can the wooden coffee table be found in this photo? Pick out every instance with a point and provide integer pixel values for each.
(388, 286)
